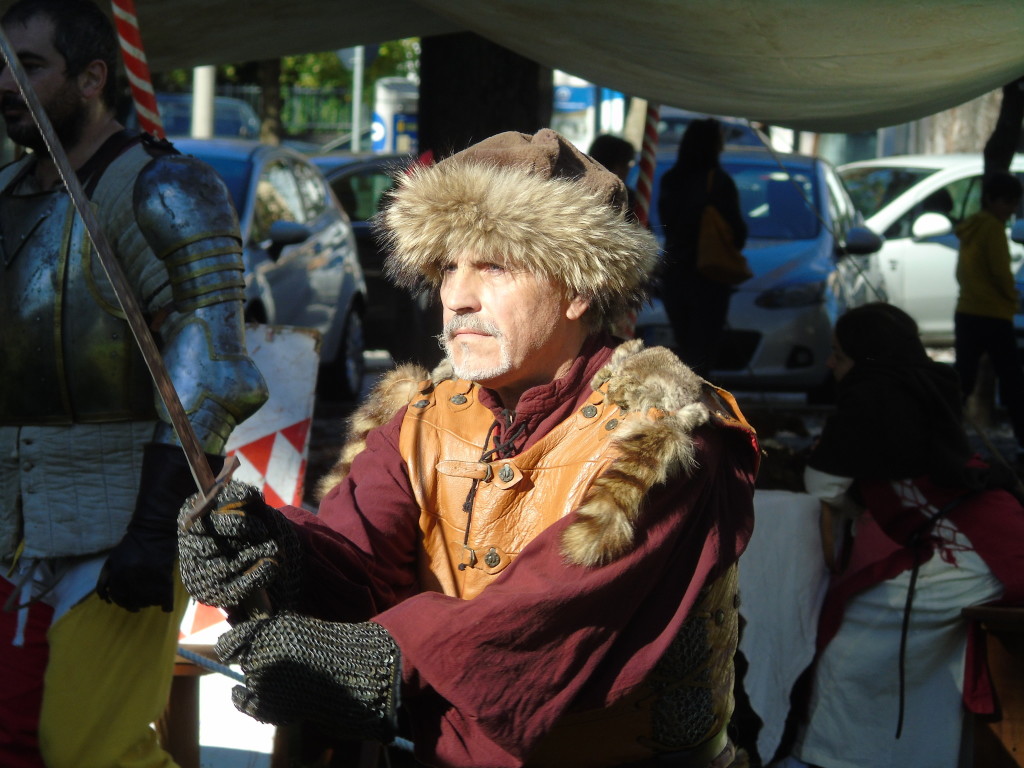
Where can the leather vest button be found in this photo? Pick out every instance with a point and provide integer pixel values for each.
(492, 559)
(506, 473)
(611, 424)
(458, 400)
(421, 404)
(590, 411)
(719, 617)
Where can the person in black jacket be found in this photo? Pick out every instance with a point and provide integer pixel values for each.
(696, 306)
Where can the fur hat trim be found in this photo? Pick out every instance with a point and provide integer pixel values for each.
(524, 214)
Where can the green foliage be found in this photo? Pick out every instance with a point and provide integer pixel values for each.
(313, 70)
(316, 87)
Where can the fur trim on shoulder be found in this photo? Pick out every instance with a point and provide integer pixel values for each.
(652, 449)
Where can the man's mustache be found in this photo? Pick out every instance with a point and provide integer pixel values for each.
(470, 323)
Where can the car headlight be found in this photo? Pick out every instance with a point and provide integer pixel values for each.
(794, 295)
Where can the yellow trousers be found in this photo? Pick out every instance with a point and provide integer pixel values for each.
(108, 678)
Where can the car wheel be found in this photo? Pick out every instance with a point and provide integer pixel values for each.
(342, 379)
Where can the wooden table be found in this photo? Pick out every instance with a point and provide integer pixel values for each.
(999, 743)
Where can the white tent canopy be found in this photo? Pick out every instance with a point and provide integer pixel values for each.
(823, 65)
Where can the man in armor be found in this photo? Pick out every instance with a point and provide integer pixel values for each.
(528, 556)
(91, 473)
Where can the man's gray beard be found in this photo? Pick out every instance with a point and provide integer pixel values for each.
(466, 371)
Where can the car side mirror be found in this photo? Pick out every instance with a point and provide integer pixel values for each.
(1017, 231)
(860, 241)
(931, 224)
(284, 233)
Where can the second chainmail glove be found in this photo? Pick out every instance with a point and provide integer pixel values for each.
(342, 677)
(240, 547)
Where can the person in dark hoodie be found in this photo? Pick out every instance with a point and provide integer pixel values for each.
(983, 323)
(936, 530)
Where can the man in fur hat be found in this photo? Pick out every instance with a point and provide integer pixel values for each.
(528, 556)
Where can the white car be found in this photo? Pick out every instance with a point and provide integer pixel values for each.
(914, 202)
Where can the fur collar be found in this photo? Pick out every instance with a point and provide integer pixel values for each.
(653, 449)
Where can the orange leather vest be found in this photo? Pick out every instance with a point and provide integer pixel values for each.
(515, 499)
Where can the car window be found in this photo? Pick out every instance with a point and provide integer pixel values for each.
(957, 201)
(313, 189)
(277, 199)
(836, 213)
(776, 204)
(871, 189)
(360, 192)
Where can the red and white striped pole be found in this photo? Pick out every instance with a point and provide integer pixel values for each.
(645, 179)
(135, 65)
(625, 328)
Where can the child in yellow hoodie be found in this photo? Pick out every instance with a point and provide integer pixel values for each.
(988, 298)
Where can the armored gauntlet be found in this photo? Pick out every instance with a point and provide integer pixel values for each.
(343, 677)
(242, 546)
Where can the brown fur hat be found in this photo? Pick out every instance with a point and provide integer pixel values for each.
(532, 202)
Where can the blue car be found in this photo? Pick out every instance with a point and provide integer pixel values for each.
(809, 255)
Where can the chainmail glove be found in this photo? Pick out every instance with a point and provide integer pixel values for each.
(343, 677)
(240, 547)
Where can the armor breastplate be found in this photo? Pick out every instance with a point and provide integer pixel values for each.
(66, 353)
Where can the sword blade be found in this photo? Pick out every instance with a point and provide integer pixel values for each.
(194, 454)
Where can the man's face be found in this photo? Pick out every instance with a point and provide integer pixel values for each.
(46, 71)
(508, 330)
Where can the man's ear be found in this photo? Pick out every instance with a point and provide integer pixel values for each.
(92, 79)
(577, 307)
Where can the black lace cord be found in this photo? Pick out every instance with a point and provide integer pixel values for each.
(500, 450)
(916, 540)
(904, 631)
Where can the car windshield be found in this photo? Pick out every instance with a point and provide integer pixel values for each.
(236, 175)
(776, 203)
(231, 117)
(873, 188)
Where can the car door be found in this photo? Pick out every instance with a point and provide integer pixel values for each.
(857, 275)
(920, 273)
(290, 270)
(336, 277)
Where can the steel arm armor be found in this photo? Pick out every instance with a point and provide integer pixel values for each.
(185, 214)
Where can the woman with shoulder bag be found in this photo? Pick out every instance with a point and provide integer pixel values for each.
(696, 303)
